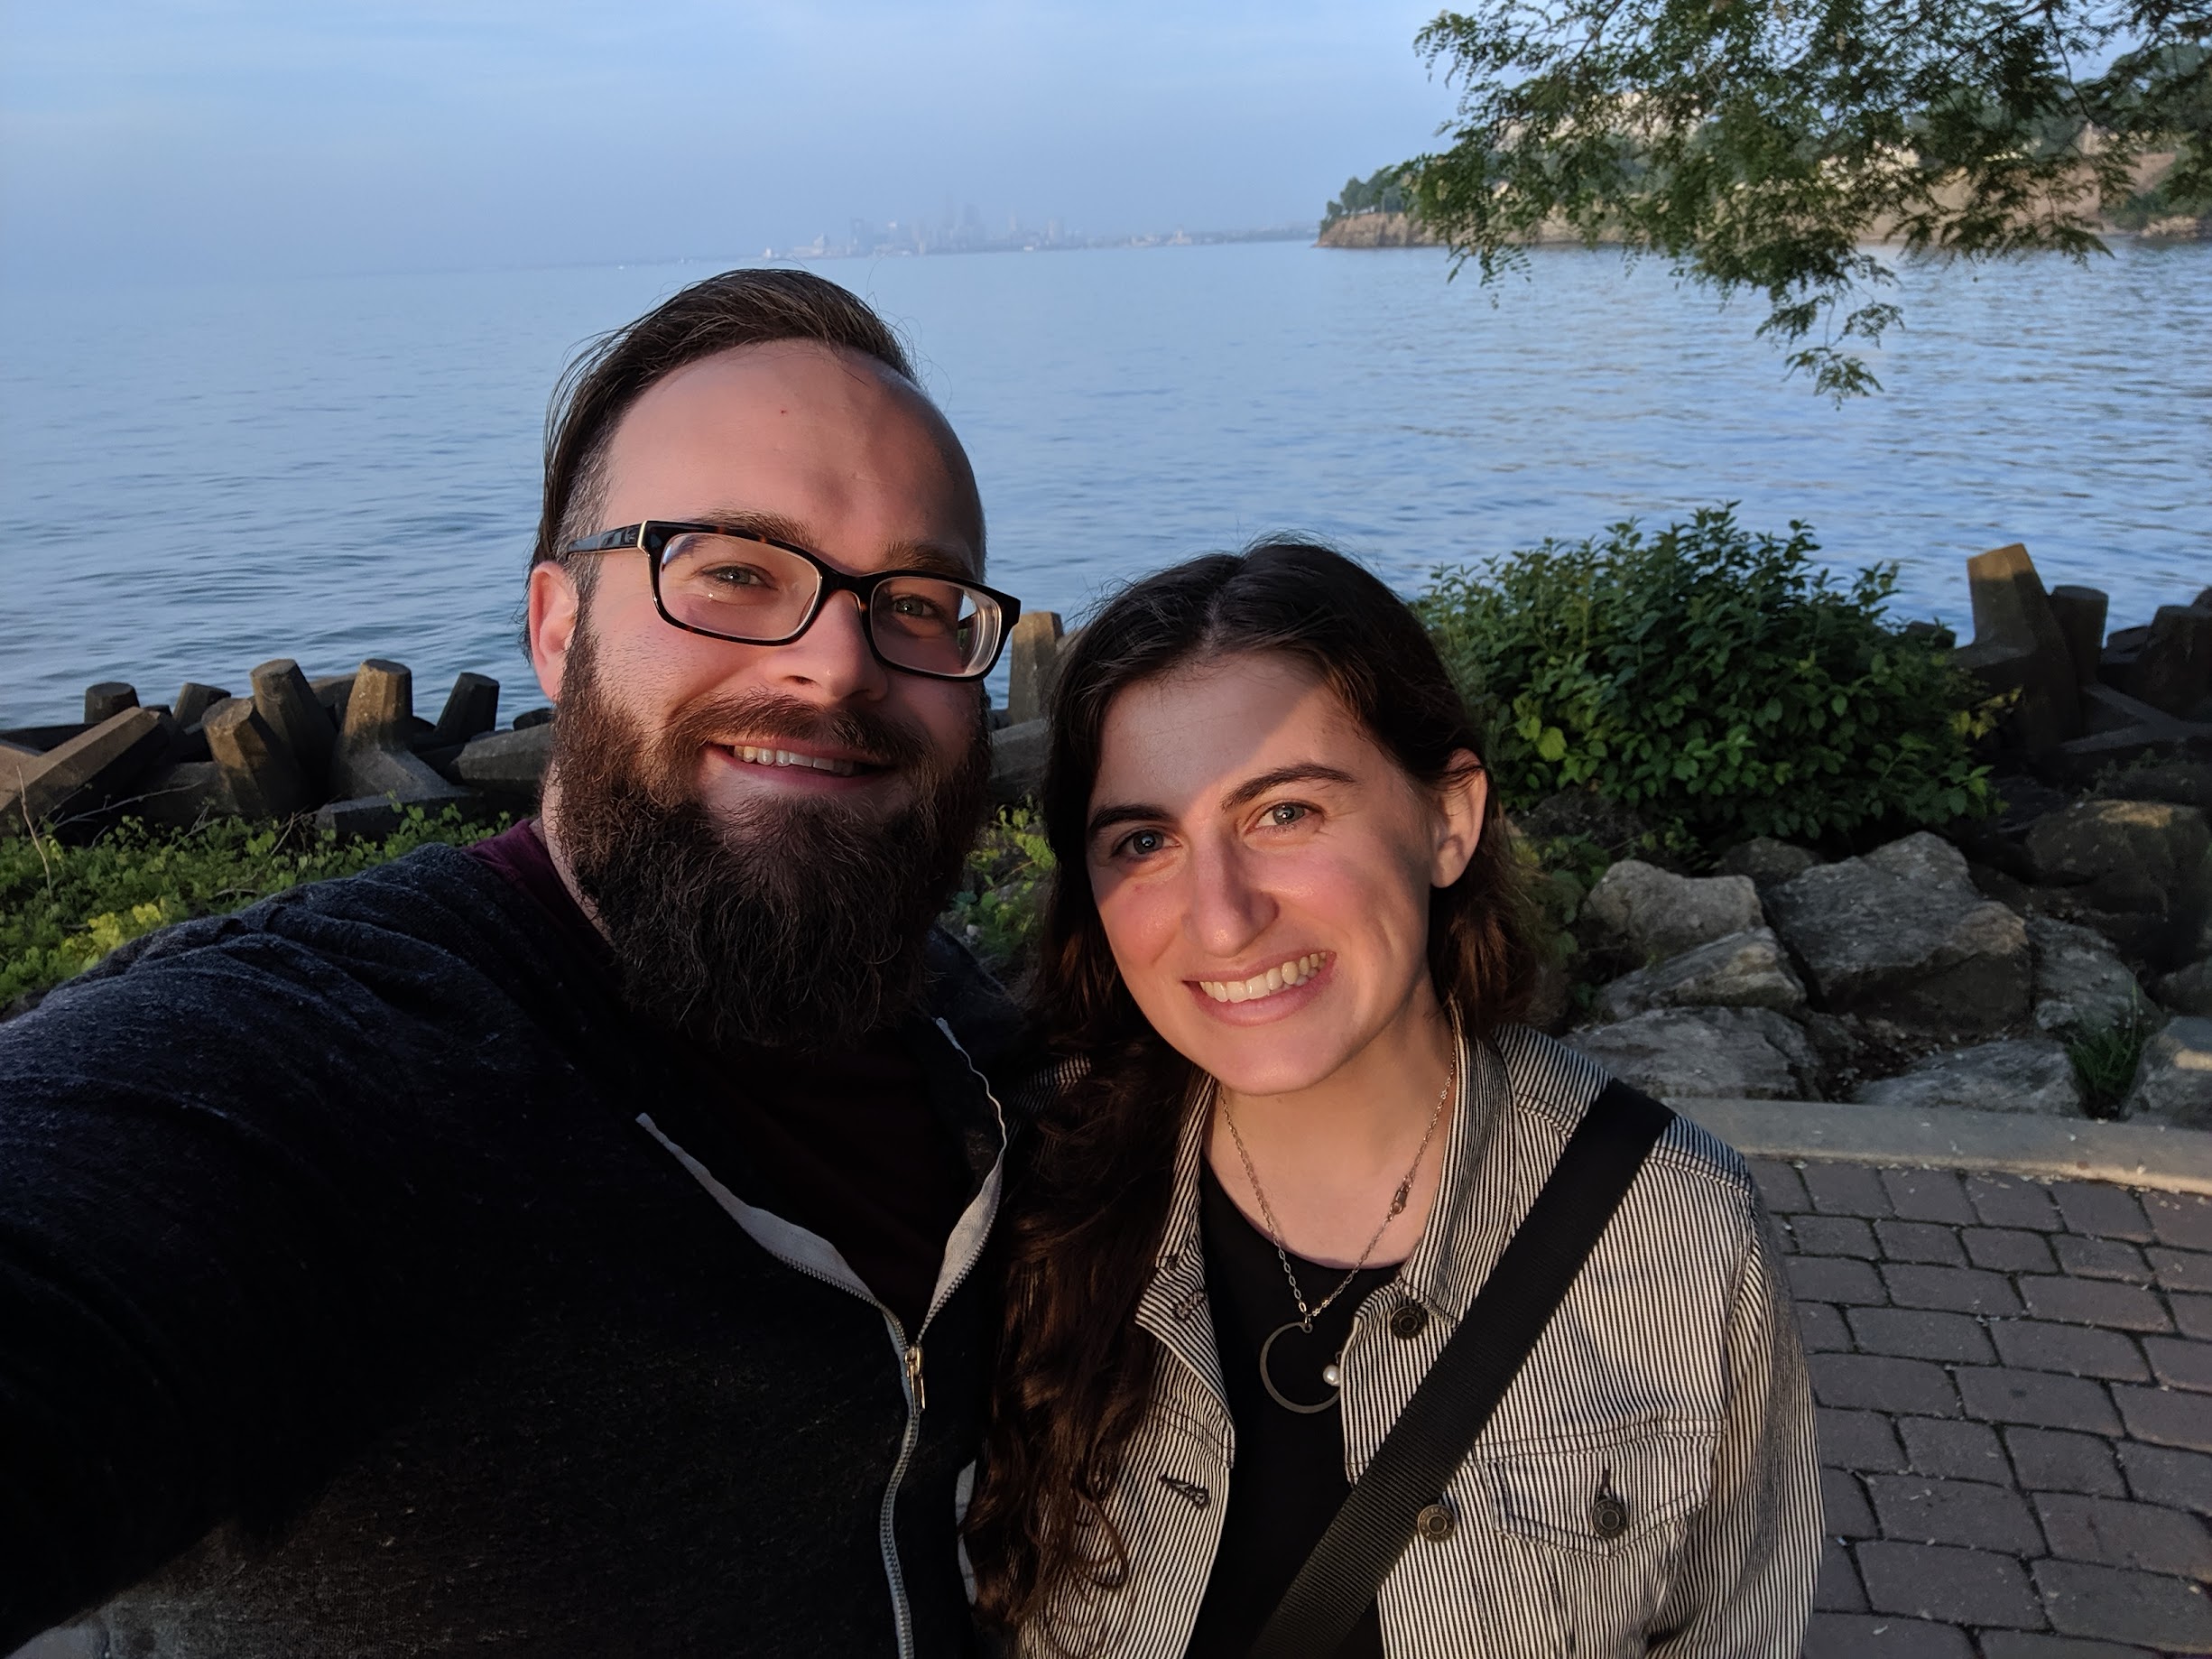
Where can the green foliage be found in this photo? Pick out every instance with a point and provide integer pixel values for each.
(2104, 1060)
(1716, 683)
(1761, 146)
(62, 908)
(1384, 191)
(1001, 904)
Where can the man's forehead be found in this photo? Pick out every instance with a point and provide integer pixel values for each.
(830, 442)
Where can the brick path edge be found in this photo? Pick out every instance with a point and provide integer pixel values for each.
(2134, 1155)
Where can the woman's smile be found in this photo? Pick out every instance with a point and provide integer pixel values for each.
(1251, 999)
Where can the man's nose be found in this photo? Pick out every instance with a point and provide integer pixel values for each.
(833, 655)
(1229, 909)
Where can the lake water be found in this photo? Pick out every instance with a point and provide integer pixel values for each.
(193, 479)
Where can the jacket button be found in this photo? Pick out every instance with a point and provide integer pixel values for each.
(1407, 1319)
(1608, 1509)
(1435, 1522)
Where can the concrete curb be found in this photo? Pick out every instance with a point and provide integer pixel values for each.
(2134, 1155)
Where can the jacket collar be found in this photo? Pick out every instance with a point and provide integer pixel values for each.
(1457, 1249)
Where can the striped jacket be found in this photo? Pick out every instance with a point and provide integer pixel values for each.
(1672, 1378)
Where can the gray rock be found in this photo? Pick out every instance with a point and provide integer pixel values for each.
(2122, 855)
(1901, 934)
(2187, 990)
(1745, 970)
(2173, 1081)
(1767, 861)
(1655, 914)
(2184, 782)
(509, 763)
(1017, 761)
(1706, 1053)
(2017, 1074)
(2080, 985)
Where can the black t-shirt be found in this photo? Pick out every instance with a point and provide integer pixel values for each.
(1288, 1481)
(848, 1144)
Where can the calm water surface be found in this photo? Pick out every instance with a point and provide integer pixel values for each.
(193, 479)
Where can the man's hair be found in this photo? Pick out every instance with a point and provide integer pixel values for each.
(737, 308)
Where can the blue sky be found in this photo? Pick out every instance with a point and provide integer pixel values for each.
(211, 136)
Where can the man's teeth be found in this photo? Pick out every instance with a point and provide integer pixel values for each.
(784, 757)
(1275, 979)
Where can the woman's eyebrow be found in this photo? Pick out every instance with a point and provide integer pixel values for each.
(1311, 772)
(1127, 812)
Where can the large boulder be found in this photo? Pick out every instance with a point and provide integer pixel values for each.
(1654, 914)
(1745, 970)
(2187, 990)
(2136, 871)
(2173, 1080)
(2081, 984)
(2018, 1074)
(1706, 1053)
(1901, 934)
(1767, 861)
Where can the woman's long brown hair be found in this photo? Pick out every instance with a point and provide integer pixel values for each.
(1090, 1207)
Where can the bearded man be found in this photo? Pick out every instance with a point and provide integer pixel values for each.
(570, 1244)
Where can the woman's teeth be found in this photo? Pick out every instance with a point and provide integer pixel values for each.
(1267, 984)
(784, 757)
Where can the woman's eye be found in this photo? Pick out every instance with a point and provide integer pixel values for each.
(1142, 843)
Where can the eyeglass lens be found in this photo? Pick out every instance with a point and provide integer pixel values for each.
(745, 590)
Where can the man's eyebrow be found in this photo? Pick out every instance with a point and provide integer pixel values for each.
(1310, 772)
(897, 556)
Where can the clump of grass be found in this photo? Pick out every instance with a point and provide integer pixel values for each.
(2106, 1058)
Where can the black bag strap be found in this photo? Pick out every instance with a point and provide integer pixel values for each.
(1455, 1400)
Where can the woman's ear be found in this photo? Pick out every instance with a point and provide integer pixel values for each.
(1461, 803)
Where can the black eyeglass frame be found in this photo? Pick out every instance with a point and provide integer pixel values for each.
(652, 535)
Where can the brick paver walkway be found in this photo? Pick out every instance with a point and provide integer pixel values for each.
(2015, 1390)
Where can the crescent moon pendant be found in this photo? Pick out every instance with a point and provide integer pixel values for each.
(1276, 1393)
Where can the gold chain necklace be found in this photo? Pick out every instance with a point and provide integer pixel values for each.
(1332, 1374)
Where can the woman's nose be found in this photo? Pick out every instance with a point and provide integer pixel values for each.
(1229, 909)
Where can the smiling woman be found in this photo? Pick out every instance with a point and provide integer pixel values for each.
(1284, 958)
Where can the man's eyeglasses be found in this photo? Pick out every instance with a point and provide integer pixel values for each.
(732, 584)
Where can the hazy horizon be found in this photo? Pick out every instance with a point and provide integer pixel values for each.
(210, 138)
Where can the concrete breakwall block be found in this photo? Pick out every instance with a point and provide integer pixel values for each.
(382, 704)
(289, 708)
(333, 691)
(1033, 653)
(41, 739)
(183, 794)
(1017, 761)
(2019, 647)
(471, 707)
(509, 763)
(261, 772)
(86, 773)
(543, 714)
(193, 701)
(2080, 613)
(107, 700)
(2172, 669)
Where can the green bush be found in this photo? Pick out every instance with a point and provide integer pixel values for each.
(1718, 682)
(1001, 904)
(62, 908)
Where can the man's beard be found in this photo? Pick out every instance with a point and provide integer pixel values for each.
(794, 923)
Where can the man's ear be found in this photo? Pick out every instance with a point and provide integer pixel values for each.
(555, 607)
(1461, 803)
